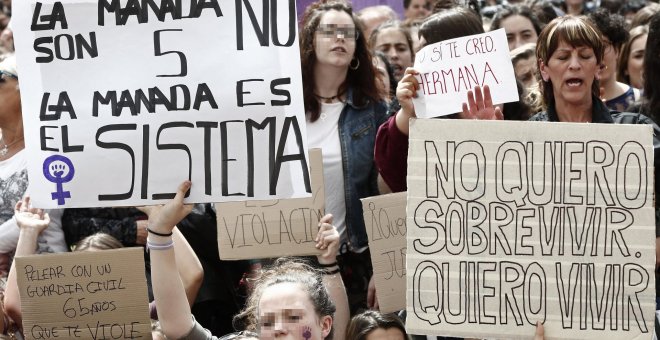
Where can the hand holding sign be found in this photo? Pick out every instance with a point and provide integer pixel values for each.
(328, 240)
(164, 218)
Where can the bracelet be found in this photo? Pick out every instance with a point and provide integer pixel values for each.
(331, 272)
(328, 265)
(160, 246)
(160, 234)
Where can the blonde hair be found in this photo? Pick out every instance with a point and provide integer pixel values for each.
(98, 241)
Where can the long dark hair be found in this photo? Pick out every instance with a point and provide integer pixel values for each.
(511, 10)
(651, 66)
(449, 24)
(366, 322)
(362, 80)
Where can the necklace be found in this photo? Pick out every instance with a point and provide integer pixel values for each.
(327, 99)
(4, 150)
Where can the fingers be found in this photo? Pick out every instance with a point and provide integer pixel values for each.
(472, 104)
(479, 98)
(17, 207)
(488, 99)
(498, 114)
(540, 332)
(327, 218)
(466, 112)
(46, 218)
(181, 191)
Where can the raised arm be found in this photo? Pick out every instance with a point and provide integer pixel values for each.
(169, 292)
(188, 265)
(31, 223)
(328, 241)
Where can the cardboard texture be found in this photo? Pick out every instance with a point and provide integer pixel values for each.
(85, 295)
(385, 220)
(274, 228)
(450, 68)
(158, 92)
(514, 222)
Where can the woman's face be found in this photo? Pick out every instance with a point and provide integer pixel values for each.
(334, 40)
(384, 83)
(519, 31)
(386, 334)
(525, 70)
(635, 68)
(10, 98)
(610, 56)
(393, 43)
(286, 312)
(572, 71)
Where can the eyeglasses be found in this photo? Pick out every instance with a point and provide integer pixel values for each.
(337, 31)
(239, 335)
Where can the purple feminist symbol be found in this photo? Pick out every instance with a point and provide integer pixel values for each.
(307, 333)
(59, 169)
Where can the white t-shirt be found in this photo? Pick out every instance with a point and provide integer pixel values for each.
(324, 134)
(13, 184)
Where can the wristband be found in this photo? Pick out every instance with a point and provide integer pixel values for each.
(160, 246)
(328, 265)
(331, 272)
(160, 234)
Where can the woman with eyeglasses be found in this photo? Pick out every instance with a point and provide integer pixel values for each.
(290, 300)
(344, 109)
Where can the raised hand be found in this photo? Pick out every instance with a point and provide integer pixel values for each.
(480, 106)
(163, 218)
(327, 240)
(30, 218)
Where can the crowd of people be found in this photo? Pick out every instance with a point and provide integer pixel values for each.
(574, 61)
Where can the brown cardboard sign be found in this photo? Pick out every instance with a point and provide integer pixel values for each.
(84, 295)
(510, 223)
(273, 228)
(385, 220)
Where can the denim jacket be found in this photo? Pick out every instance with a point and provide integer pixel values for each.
(357, 135)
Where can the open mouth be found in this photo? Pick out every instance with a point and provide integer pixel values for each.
(574, 82)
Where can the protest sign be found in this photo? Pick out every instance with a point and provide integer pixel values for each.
(84, 295)
(385, 219)
(449, 69)
(510, 223)
(123, 100)
(261, 229)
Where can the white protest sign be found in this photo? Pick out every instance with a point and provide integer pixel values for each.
(510, 223)
(450, 68)
(84, 295)
(122, 100)
(274, 228)
(385, 220)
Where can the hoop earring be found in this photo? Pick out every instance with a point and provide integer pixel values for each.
(356, 66)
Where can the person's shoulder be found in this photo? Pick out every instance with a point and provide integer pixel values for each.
(539, 117)
(630, 118)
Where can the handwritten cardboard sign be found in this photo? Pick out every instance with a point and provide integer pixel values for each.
(85, 295)
(510, 223)
(385, 219)
(449, 69)
(261, 229)
(124, 100)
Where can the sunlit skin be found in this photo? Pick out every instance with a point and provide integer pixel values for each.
(519, 31)
(418, 9)
(525, 70)
(635, 68)
(336, 50)
(572, 71)
(386, 334)
(286, 312)
(393, 43)
(384, 80)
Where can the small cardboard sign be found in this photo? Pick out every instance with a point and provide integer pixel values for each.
(450, 68)
(84, 295)
(385, 220)
(273, 228)
(510, 223)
